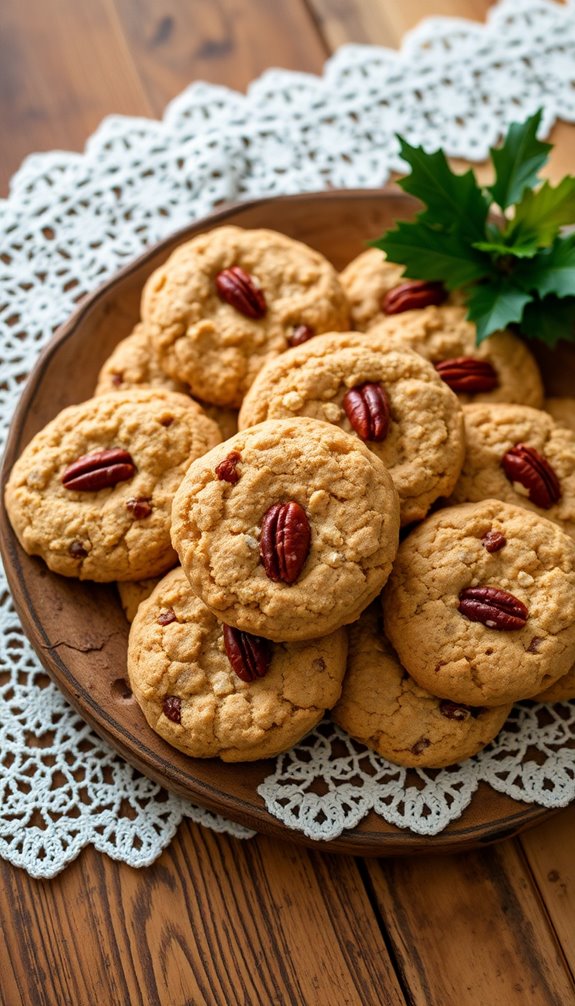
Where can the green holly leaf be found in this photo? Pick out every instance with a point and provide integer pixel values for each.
(518, 161)
(499, 248)
(452, 200)
(494, 306)
(549, 320)
(540, 214)
(551, 271)
(433, 254)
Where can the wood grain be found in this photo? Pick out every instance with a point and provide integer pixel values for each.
(216, 41)
(549, 851)
(380, 23)
(471, 929)
(64, 65)
(214, 921)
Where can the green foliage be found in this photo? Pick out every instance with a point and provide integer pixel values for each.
(517, 269)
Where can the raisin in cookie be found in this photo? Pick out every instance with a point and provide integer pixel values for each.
(92, 492)
(562, 410)
(391, 398)
(500, 369)
(519, 455)
(288, 530)
(384, 708)
(480, 606)
(231, 299)
(185, 666)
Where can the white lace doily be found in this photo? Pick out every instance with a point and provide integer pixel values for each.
(73, 219)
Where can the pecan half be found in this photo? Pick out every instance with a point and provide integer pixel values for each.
(250, 656)
(368, 410)
(495, 608)
(227, 470)
(99, 470)
(413, 294)
(525, 465)
(493, 541)
(300, 334)
(172, 707)
(285, 541)
(237, 288)
(465, 375)
(139, 507)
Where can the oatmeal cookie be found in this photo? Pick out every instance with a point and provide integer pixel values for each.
(92, 492)
(288, 530)
(562, 691)
(133, 364)
(384, 708)
(519, 455)
(422, 443)
(229, 300)
(190, 694)
(499, 369)
(480, 606)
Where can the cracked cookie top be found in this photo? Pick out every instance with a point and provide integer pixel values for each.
(340, 536)
(216, 338)
(443, 333)
(120, 531)
(384, 708)
(481, 649)
(423, 446)
(491, 432)
(185, 685)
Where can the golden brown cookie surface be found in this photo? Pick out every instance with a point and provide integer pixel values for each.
(189, 693)
(384, 708)
(108, 528)
(336, 530)
(480, 606)
(422, 445)
(216, 343)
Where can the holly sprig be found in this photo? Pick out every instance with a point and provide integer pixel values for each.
(503, 244)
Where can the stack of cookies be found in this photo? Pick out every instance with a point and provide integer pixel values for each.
(245, 542)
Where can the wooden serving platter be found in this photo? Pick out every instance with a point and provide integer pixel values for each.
(78, 629)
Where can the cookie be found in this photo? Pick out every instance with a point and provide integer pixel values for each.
(499, 369)
(421, 443)
(384, 708)
(366, 281)
(519, 455)
(107, 516)
(133, 364)
(190, 694)
(288, 530)
(562, 410)
(133, 592)
(562, 691)
(480, 606)
(230, 300)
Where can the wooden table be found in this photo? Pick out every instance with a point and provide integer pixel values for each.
(214, 920)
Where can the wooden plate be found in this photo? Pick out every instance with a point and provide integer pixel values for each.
(78, 629)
